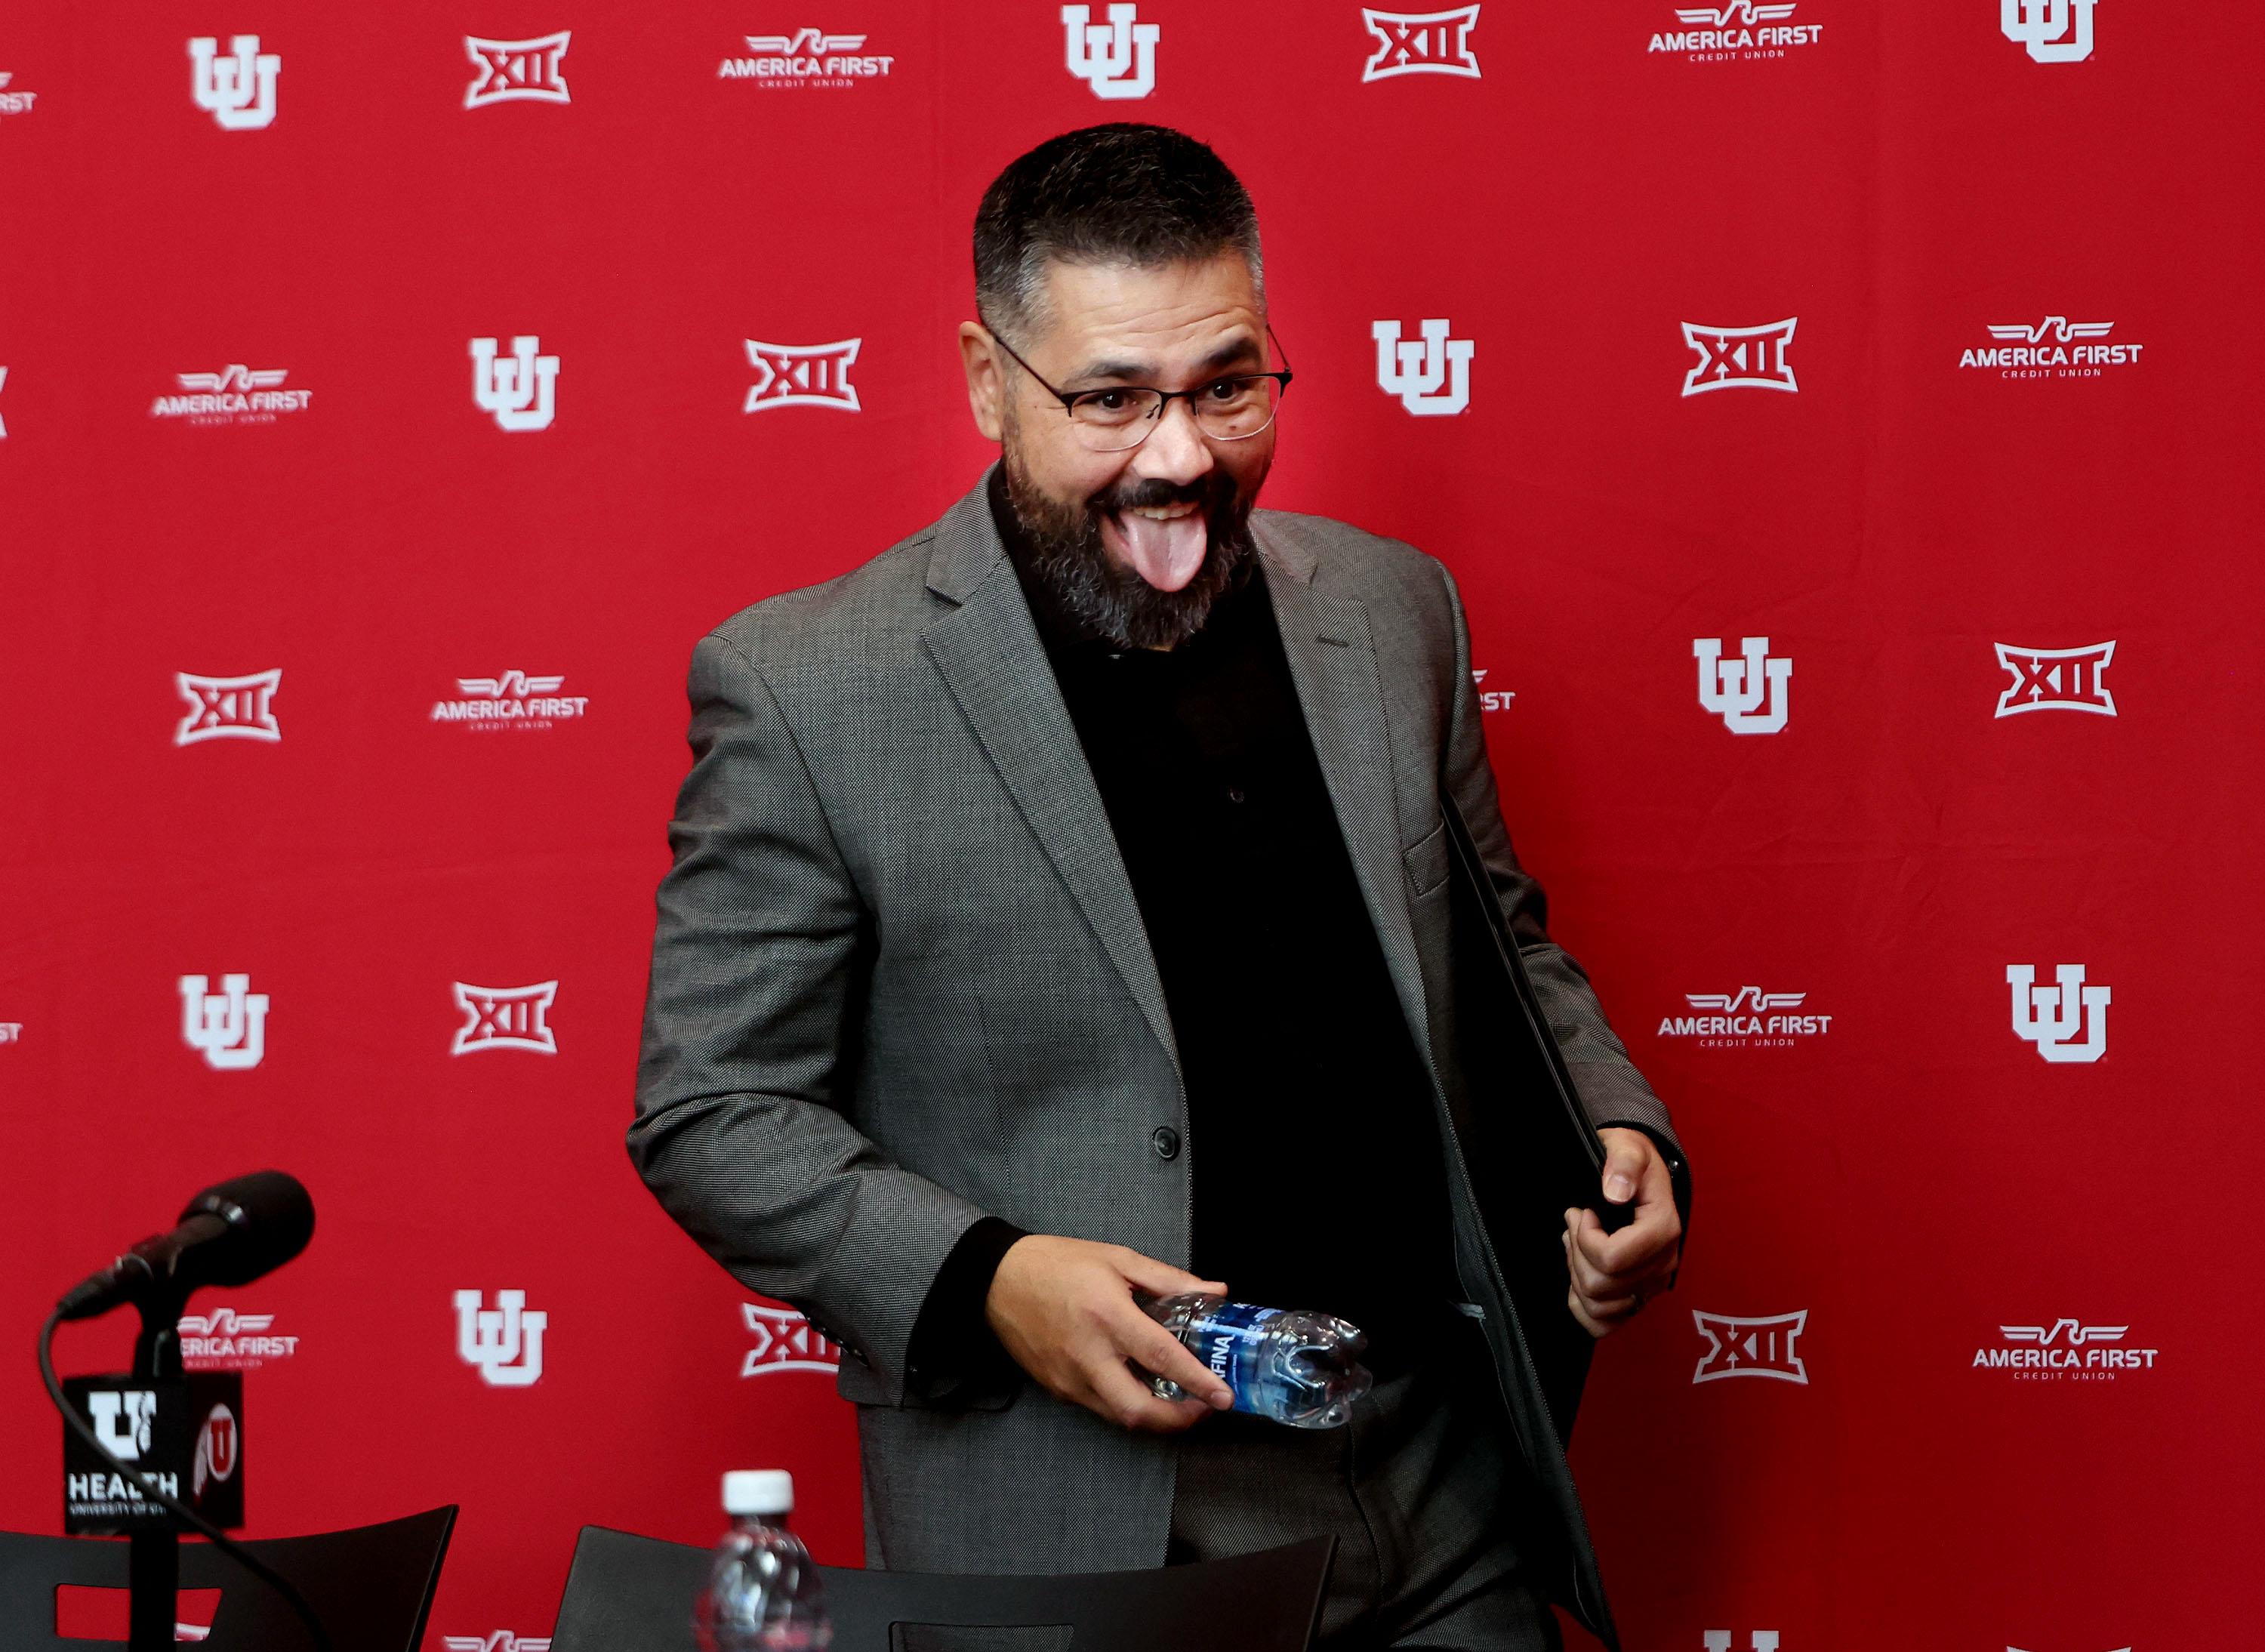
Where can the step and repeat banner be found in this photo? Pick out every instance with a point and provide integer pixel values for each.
(1842, 421)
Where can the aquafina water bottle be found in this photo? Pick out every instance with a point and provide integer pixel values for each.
(763, 1594)
(1294, 1366)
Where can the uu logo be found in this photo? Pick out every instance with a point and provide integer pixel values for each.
(238, 90)
(229, 1027)
(503, 1342)
(1734, 690)
(1414, 371)
(2050, 1017)
(2053, 30)
(1117, 59)
(517, 389)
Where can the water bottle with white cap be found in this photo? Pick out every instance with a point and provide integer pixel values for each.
(763, 1594)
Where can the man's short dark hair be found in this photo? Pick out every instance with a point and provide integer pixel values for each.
(1122, 193)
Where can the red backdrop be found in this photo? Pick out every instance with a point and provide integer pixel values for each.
(2011, 1413)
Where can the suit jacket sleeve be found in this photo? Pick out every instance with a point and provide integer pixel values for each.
(1611, 1091)
(760, 963)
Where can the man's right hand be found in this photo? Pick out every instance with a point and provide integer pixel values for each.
(1064, 1308)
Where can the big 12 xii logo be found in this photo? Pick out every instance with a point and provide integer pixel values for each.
(1421, 43)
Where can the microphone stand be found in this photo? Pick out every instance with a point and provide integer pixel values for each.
(153, 1562)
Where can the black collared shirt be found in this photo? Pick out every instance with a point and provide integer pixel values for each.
(1318, 1180)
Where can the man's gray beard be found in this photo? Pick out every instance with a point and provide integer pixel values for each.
(1111, 600)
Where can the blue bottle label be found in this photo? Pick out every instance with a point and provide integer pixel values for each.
(1230, 1342)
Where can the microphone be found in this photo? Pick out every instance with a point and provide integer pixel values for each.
(231, 1234)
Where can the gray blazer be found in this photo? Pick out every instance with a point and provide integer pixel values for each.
(900, 983)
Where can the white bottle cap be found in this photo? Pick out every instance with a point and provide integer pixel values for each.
(758, 1491)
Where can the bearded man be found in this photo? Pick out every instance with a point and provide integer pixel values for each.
(1061, 916)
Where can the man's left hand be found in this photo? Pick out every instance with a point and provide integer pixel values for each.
(1614, 1275)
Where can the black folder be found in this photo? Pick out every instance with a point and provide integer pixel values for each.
(1532, 1153)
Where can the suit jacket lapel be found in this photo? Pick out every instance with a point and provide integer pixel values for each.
(1333, 663)
(989, 652)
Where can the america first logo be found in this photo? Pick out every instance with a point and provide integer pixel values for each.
(236, 395)
(1738, 30)
(225, 1340)
(2065, 1350)
(1749, 1017)
(512, 701)
(15, 102)
(808, 57)
(2053, 348)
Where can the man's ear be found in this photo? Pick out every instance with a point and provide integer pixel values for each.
(986, 380)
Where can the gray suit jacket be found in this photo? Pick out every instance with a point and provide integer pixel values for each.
(899, 982)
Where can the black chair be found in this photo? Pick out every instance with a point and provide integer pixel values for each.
(371, 1586)
(635, 1594)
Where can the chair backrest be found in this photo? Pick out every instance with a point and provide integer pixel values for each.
(371, 1586)
(635, 1594)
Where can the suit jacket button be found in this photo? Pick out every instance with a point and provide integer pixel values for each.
(1166, 1141)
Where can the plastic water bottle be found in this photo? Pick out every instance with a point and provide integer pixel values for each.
(1294, 1366)
(763, 1594)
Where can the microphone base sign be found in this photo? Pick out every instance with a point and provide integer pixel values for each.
(187, 1434)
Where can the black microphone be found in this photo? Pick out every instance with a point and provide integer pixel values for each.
(231, 1234)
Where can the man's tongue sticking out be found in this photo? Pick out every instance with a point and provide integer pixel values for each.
(1164, 544)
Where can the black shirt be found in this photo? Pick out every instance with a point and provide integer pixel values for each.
(1318, 1181)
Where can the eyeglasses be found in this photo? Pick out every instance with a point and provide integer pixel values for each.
(1121, 416)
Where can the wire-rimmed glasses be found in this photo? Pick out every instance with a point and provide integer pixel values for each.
(1232, 408)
